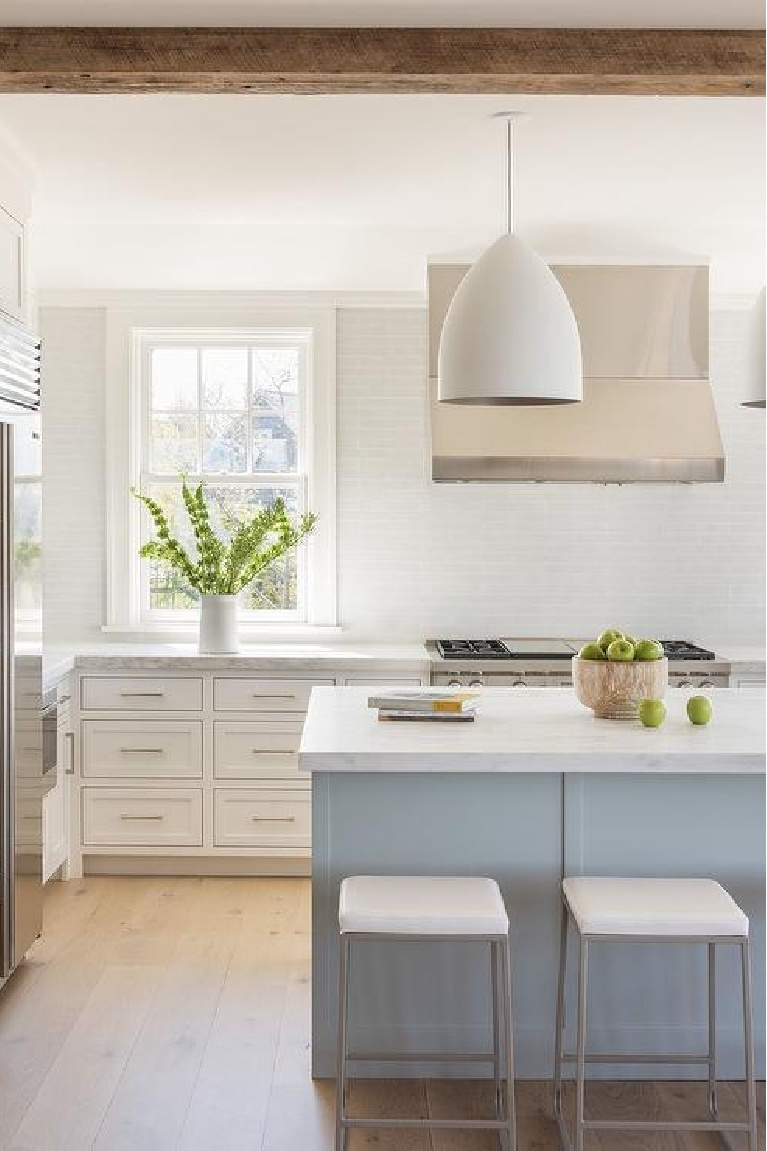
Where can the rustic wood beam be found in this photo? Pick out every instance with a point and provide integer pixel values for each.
(662, 62)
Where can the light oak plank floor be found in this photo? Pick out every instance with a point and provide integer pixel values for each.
(172, 1014)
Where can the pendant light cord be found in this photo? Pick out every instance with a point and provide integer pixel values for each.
(509, 176)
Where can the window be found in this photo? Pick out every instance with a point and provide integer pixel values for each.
(249, 413)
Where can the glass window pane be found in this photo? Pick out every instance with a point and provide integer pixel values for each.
(275, 409)
(275, 589)
(223, 442)
(225, 378)
(28, 545)
(174, 444)
(167, 589)
(174, 379)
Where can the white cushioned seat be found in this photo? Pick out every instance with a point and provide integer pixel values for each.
(421, 905)
(607, 906)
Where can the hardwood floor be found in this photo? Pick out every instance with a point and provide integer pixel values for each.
(172, 1014)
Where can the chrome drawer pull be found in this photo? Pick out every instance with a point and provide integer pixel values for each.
(273, 818)
(156, 818)
(64, 699)
(70, 768)
(141, 751)
(142, 694)
(266, 695)
(271, 751)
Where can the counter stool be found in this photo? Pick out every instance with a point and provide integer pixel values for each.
(433, 908)
(650, 911)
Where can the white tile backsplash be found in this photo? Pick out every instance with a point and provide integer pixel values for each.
(418, 559)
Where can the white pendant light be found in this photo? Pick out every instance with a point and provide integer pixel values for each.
(757, 355)
(510, 336)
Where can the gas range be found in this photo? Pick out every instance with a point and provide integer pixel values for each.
(545, 662)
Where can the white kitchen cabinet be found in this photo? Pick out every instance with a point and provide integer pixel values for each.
(12, 286)
(56, 803)
(747, 680)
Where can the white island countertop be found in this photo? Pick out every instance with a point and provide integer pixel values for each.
(535, 730)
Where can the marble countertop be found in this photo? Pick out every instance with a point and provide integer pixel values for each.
(255, 657)
(536, 730)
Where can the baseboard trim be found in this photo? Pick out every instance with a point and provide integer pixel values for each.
(194, 865)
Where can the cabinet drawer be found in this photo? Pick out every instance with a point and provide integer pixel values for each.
(145, 693)
(254, 750)
(263, 694)
(381, 681)
(139, 748)
(117, 818)
(262, 818)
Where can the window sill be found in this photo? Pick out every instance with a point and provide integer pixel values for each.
(248, 634)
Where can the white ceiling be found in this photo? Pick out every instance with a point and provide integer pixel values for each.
(500, 13)
(353, 192)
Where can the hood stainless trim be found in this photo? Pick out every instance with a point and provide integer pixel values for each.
(558, 469)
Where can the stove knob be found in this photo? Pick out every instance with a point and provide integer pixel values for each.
(519, 683)
(454, 683)
(707, 683)
(475, 683)
(684, 683)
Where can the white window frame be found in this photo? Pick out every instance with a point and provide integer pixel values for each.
(131, 333)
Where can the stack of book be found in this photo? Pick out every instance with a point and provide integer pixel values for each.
(426, 704)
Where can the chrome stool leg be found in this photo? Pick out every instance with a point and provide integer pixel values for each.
(580, 1075)
(748, 1041)
(494, 981)
(511, 1106)
(560, 1022)
(713, 1101)
(343, 1004)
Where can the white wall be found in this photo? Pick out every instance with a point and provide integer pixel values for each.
(417, 559)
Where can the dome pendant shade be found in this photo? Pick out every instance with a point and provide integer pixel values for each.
(510, 336)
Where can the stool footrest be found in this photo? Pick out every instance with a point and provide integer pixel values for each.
(433, 1124)
(668, 1060)
(419, 1057)
(658, 1125)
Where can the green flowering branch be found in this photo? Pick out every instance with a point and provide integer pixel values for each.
(223, 567)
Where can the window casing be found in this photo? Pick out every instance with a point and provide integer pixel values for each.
(250, 412)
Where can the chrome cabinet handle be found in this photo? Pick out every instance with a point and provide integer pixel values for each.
(271, 751)
(267, 695)
(142, 694)
(64, 699)
(273, 818)
(141, 751)
(70, 769)
(154, 818)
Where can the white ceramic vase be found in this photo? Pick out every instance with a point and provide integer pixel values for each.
(218, 624)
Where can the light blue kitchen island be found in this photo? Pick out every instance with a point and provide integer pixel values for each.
(535, 789)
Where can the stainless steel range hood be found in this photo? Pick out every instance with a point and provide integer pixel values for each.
(648, 412)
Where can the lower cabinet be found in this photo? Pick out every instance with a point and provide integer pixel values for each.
(198, 766)
(140, 817)
(56, 803)
(255, 818)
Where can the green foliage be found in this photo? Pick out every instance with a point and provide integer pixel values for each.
(224, 567)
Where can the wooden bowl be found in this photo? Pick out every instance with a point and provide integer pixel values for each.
(613, 689)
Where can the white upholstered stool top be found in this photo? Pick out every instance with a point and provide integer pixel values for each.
(605, 906)
(421, 905)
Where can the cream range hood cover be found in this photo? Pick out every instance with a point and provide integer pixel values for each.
(648, 412)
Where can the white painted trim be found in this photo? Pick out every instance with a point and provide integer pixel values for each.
(205, 314)
(205, 301)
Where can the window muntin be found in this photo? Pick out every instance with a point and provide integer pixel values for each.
(230, 412)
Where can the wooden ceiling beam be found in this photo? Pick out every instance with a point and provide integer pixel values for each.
(577, 61)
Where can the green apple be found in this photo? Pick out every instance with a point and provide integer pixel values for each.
(591, 651)
(652, 712)
(648, 649)
(631, 640)
(607, 637)
(620, 651)
(699, 709)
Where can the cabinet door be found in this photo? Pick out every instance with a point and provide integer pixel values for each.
(56, 802)
(11, 265)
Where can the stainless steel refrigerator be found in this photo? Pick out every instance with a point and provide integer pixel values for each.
(23, 779)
